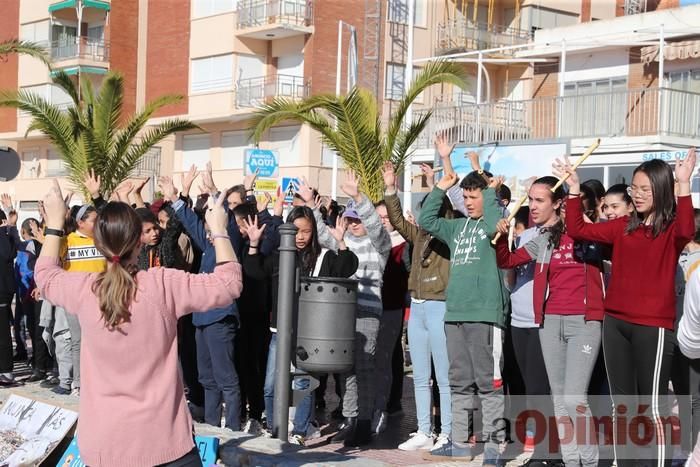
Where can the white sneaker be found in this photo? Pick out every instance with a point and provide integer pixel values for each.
(417, 441)
(297, 439)
(75, 392)
(441, 440)
(253, 427)
(380, 422)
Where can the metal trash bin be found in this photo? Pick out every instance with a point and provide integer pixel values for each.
(325, 334)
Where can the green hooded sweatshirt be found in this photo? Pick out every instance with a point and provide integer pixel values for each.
(476, 291)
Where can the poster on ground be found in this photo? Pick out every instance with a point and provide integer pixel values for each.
(30, 430)
(519, 164)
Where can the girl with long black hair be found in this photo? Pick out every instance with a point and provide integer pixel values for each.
(640, 308)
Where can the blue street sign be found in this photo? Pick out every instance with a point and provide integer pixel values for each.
(289, 187)
(265, 161)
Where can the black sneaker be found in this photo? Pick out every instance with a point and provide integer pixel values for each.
(19, 357)
(346, 431)
(36, 377)
(6, 380)
(50, 382)
(61, 391)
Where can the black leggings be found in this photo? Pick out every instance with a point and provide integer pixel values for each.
(638, 361)
(191, 459)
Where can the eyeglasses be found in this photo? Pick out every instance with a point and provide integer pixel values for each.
(642, 193)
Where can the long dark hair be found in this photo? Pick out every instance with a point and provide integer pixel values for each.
(117, 237)
(310, 254)
(556, 230)
(662, 194)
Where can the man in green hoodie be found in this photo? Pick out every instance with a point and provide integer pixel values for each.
(476, 310)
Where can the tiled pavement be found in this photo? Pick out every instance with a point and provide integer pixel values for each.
(240, 449)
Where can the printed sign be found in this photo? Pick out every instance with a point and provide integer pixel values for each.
(262, 160)
(668, 156)
(269, 186)
(31, 430)
(289, 187)
(518, 164)
(207, 446)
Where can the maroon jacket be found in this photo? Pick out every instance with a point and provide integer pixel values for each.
(395, 282)
(540, 250)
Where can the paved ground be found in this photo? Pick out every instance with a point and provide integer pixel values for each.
(242, 449)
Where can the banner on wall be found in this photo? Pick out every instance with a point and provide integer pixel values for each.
(518, 164)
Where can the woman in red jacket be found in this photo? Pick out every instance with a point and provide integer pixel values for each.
(568, 306)
(640, 306)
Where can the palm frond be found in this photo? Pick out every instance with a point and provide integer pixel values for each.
(31, 49)
(406, 138)
(107, 108)
(63, 80)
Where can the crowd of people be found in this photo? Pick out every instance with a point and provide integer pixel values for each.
(158, 313)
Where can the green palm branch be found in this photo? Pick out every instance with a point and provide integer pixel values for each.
(351, 124)
(93, 133)
(15, 46)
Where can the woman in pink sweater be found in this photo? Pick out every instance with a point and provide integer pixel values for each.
(132, 405)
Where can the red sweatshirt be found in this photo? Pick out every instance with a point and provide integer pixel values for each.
(641, 289)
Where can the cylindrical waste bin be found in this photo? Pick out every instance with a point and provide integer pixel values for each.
(326, 324)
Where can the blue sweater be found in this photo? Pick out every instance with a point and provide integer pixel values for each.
(195, 229)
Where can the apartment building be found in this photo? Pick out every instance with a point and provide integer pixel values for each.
(626, 72)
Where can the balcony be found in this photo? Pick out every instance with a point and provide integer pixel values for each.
(642, 112)
(460, 35)
(254, 92)
(80, 53)
(274, 19)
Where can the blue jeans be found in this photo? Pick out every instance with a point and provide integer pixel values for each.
(304, 412)
(217, 372)
(426, 337)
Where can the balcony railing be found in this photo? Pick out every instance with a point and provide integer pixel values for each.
(641, 112)
(254, 92)
(254, 13)
(80, 48)
(460, 34)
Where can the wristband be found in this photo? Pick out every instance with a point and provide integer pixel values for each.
(215, 236)
(253, 246)
(575, 195)
(56, 232)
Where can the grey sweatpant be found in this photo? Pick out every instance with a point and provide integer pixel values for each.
(74, 326)
(62, 341)
(358, 385)
(476, 361)
(570, 346)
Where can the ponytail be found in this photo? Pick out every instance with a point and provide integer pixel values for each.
(115, 289)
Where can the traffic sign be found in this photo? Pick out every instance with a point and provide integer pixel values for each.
(289, 187)
(265, 161)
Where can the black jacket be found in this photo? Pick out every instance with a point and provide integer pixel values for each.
(8, 251)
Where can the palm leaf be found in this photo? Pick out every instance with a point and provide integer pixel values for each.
(31, 49)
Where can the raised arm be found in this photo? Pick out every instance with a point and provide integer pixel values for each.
(429, 220)
(370, 219)
(192, 224)
(509, 260)
(393, 206)
(325, 238)
(685, 218)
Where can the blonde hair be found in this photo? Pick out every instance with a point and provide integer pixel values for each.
(117, 237)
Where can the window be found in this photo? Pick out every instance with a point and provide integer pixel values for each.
(233, 146)
(195, 150)
(212, 7)
(30, 163)
(394, 81)
(688, 80)
(55, 166)
(286, 141)
(212, 74)
(398, 12)
(594, 108)
(35, 32)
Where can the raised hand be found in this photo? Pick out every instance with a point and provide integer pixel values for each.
(254, 231)
(338, 232)
(36, 232)
(208, 181)
(138, 185)
(561, 169)
(249, 180)
(389, 175)
(187, 178)
(351, 185)
(685, 167)
(216, 216)
(411, 219)
(278, 207)
(42, 211)
(429, 174)
(448, 181)
(305, 191)
(444, 149)
(93, 183)
(474, 159)
(167, 188)
(55, 207)
(264, 202)
(6, 201)
(123, 190)
(496, 182)
(503, 226)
